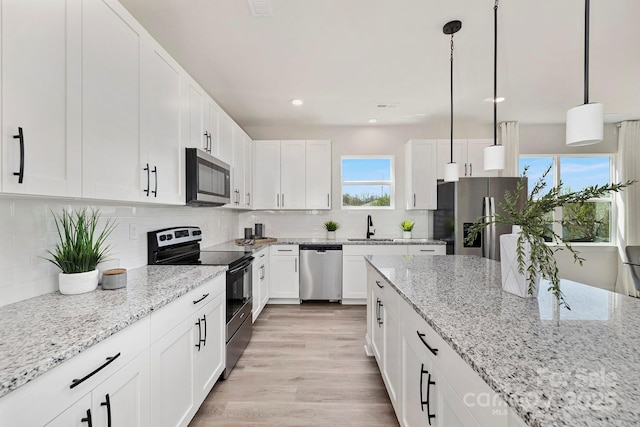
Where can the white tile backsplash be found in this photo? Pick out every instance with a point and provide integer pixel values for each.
(27, 231)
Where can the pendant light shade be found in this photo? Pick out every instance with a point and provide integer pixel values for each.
(585, 122)
(451, 168)
(494, 155)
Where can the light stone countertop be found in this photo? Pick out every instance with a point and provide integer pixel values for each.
(40, 333)
(232, 246)
(553, 366)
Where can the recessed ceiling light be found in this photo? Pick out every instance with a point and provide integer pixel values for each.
(498, 99)
(297, 102)
(372, 121)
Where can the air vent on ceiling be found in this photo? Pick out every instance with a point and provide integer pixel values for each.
(387, 105)
(260, 7)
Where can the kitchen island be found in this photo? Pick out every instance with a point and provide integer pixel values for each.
(552, 366)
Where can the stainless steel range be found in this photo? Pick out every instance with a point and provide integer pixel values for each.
(181, 246)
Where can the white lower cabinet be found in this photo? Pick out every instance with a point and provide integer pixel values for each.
(260, 281)
(427, 381)
(284, 279)
(77, 415)
(187, 361)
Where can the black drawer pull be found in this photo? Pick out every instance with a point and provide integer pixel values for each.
(87, 419)
(76, 382)
(422, 401)
(204, 319)
(203, 297)
(20, 138)
(107, 403)
(379, 285)
(146, 190)
(432, 350)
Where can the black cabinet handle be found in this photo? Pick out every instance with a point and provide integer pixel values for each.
(248, 199)
(20, 138)
(155, 189)
(203, 297)
(414, 200)
(204, 319)
(87, 419)
(107, 403)
(210, 144)
(76, 382)
(328, 201)
(470, 169)
(379, 312)
(206, 141)
(199, 334)
(422, 401)
(148, 183)
(379, 285)
(431, 349)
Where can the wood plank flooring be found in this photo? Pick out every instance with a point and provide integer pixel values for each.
(305, 366)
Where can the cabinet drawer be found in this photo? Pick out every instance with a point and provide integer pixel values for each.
(427, 249)
(279, 250)
(374, 250)
(169, 316)
(51, 393)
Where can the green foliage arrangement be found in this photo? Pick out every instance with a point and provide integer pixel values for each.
(331, 225)
(80, 248)
(407, 225)
(534, 216)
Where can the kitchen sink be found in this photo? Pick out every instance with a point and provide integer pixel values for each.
(370, 240)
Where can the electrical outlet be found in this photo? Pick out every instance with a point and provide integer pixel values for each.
(133, 231)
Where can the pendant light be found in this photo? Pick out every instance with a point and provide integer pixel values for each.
(451, 168)
(585, 122)
(494, 155)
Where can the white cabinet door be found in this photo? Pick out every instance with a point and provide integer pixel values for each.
(110, 115)
(172, 377)
(292, 174)
(210, 356)
(475, 157)
(248, 172)
(318, 175)
(225, 139)
(450, 410)
(123, 399)
(392, 358)
(284, 280)
(266, 179)
(193, 106)
(40, 94)
(378, 317)
(212, 128)
(354, 277)
(77, 415)
(417, 378)
(237, 169)
(260, 283)
(444, 156)
(420, 177)
(265, 280)
(160, 147)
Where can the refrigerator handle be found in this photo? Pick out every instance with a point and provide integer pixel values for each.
(494, 243)
(486, 235)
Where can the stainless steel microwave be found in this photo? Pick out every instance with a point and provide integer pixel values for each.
(208, 179)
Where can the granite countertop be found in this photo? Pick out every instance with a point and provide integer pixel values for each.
(232, 246)
(553, 366)
(40, 333)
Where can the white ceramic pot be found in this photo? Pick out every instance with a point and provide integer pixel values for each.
(512, 281)
(406, 234)
(331, 235)
(78, 283)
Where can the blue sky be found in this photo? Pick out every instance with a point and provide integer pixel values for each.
(366, 169)
(575, 172)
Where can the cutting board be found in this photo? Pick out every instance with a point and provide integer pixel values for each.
(260, 241)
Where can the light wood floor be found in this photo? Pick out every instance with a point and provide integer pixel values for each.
(305, 366)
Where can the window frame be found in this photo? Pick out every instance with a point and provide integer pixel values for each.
(391, 183)
(557, 214)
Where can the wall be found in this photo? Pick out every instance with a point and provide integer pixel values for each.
(27, 230)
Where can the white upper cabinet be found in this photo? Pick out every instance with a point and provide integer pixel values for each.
(266, 177)
(160, 147)
(468, 154)
(420, 174)
(211, 114)
(225, 139)
(237, 169)
(318, 175)
(248, 173)
(193, 135)
(292, 174)
(111, 105)
(40, 71)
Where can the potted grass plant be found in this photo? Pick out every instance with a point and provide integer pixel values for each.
(331, 227)
(532, 245)
(79, 250)
(407, 226)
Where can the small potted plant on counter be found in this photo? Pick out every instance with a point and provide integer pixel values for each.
(407, 226)
(331, 227)
(525, 254)
(80, 249)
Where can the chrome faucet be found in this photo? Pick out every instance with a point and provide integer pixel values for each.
(370, 230)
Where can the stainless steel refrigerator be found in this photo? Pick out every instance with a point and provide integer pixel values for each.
(462, 203)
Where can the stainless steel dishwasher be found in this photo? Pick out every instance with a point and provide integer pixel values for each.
(321, 272)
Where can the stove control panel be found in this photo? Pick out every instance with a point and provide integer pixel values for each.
(173, 237)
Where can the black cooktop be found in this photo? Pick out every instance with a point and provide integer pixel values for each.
(229, 258)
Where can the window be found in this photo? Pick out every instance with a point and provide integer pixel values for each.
(591, 221)
(367, 182)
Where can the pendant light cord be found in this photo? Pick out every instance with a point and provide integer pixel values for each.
(586, 51)
(495, 73)
(451, 73)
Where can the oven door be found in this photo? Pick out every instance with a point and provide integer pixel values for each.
(238, 289)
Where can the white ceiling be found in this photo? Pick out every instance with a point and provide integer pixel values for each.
(343, 57)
